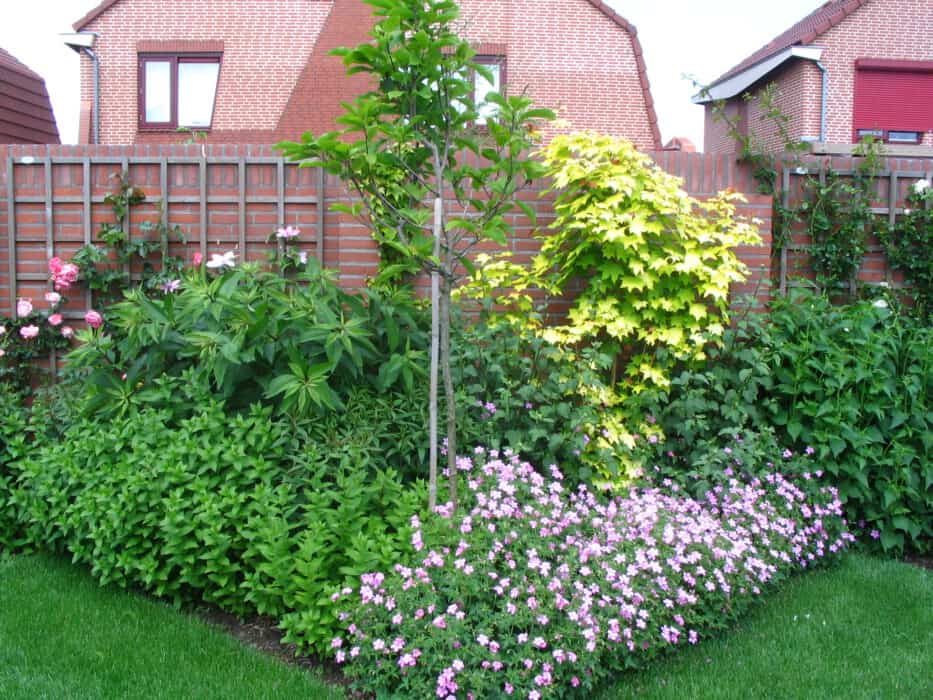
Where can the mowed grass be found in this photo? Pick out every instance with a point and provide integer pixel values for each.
(863, 629)
(62, 636)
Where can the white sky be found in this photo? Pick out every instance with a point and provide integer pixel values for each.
(701, 38)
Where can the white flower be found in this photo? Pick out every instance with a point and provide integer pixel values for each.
(921, 185)
(228, 259)
(907, 212)
(880, 304)
(303, 257)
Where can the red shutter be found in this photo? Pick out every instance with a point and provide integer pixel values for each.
(894, 98)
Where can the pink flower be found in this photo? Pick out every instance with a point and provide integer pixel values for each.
(55, 265)
(68, 331)
(93, 319)
(197, 258)
(23, 307)
(55, 320)
(53, 298)
(29, 332)
(287, 232)
(2, 330)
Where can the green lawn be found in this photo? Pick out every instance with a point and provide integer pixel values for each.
(861, 630)
(62, 636)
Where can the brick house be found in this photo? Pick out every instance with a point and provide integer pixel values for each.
(253, 71)
(850, 68)
(25, 110)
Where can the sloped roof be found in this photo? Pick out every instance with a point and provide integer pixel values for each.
(805, 32)
(25, 109)
(598, 4)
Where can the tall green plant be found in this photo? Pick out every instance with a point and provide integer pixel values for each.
(655, 265)
(431, 181)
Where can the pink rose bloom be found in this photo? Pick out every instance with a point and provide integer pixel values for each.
(29, 332)
(2, 330)
(23, 307)
(53, 298)
(197, 258)
(55, 265)
(2, 352)
(68, 331)
(61, 285)
(55, 320)
(70, 272)
(93, 319)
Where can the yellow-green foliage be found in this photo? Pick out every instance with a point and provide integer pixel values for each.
(655, 264)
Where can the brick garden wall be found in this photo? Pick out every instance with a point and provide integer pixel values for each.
(234, 197)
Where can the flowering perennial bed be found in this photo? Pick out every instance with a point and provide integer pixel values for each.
(537, 591)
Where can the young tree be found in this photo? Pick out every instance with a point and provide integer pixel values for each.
(434, 172)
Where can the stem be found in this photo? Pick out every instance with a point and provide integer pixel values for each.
(435, 349)
(449, 385)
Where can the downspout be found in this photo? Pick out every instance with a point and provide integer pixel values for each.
(824, 80)
(96, 116)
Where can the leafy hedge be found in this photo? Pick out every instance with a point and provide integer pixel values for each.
(851, 384)
(229, 509)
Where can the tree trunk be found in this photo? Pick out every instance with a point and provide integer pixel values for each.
(435, 352)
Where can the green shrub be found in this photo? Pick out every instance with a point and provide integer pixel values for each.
(849, 383)
(550, 403)
(245, 336)
(14, 444)
(235, 510)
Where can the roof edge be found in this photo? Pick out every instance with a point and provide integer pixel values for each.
(837, 16)
(94, 14)
(735, 84)
(639, 64)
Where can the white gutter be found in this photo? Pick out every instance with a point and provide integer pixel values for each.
(740, 82)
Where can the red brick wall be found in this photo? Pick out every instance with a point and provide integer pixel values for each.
(277, 80)
(886, 29)
(265, 49)
(571, 57)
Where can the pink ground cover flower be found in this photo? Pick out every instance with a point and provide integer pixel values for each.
(610, 577)
(29, 332)
(55, 320)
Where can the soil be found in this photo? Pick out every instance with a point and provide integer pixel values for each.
(261, 633)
